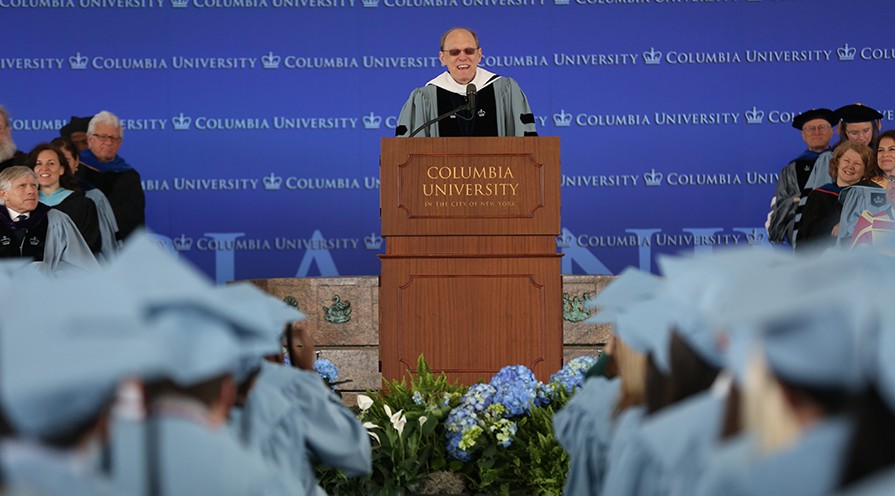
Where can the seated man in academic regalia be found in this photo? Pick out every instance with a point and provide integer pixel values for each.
(105, 169)
(32, 230)
(816, 126)
(501, 108)
(9, 154)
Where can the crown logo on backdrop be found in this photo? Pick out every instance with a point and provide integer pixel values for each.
(5, 241)
(373, 241)
(652, 57)
(562, 119)
(560, 2)
(754, 116)
(846, 53)
(270, 61)
(179, 4)
(181, 122)
(78, 62)
(272, 182)
(183, 243)
(372, 121)
(755, 237)
(370, 3)
(565, 241)
(653, 178)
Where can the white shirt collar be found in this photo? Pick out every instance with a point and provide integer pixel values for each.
(13, 214)
(446, 82)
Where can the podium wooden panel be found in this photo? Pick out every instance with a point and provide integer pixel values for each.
(470, 277)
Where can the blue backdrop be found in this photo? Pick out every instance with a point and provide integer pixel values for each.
(256, 123)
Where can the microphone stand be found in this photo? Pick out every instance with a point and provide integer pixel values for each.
(445, 115)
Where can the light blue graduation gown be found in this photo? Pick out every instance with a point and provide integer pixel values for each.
(855, 200)
(196, 459)
(811, 467)
(330, 433)
(29, 468)
(584, 429)
(108, 226)
(728, 459)
(193, 458)
(627, 424)
(681, 438)
(270, 424)
(65, 251)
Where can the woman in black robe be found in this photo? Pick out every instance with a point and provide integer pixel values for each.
(850, 164)
(59, 190)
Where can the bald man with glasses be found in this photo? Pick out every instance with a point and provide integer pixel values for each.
(498, 108)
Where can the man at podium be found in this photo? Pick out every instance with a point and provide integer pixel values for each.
(466, 100)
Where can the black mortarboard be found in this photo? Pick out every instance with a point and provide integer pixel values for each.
(857, 112)
(74, 125)
(809, 115)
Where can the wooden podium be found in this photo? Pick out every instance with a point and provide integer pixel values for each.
(470, 275)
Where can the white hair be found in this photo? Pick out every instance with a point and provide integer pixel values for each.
(7, 145)
(10, 174)
(108, 118)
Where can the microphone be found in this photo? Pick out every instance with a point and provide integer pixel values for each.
(470, 105)
(470, 97)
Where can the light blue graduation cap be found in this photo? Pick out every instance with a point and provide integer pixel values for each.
(630, 286)
(646, 327)
(63, 355)
(199, 346)
(816, 341)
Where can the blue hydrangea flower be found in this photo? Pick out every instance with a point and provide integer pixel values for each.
(515, 388)
(571, 375)
(544, 394)
(417, 398)
(505, 431)
(479, 396)
(461, 428)
(327, 369)
(453, 447)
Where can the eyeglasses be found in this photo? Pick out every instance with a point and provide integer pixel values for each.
(817, 129)
(106, 137)
(456, 51)
(859, 132)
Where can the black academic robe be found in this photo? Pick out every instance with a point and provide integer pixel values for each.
(125, 194)
(482, 122)
(821, 214)
(83, 213)
(26, 238)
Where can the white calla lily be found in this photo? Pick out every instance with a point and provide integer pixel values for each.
(369, 426)
(364, 402)
(423, 420)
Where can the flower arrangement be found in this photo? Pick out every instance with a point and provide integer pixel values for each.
(495, 438)
(327, 370)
